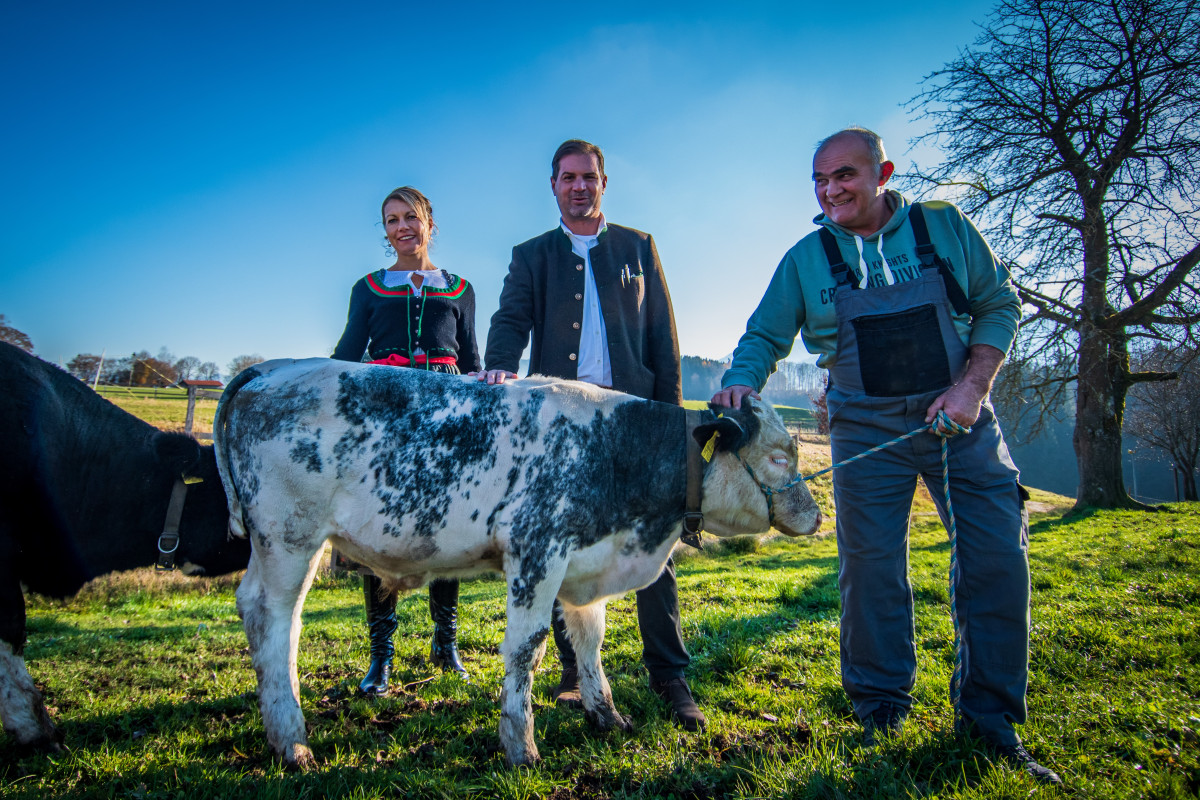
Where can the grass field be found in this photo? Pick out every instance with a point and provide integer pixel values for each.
(149, 678)
(794, 418)
(163, 408)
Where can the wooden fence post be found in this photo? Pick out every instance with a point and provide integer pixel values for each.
(191, 410)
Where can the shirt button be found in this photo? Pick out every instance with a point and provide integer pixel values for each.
(579, 267)
(578, 297)
(572, 356)
(575, 326)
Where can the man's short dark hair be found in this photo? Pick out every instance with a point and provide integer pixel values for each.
(870, 138)
(575, 147)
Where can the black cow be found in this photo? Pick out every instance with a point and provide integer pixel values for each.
(84, 490)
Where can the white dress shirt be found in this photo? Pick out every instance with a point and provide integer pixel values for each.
(594, 365)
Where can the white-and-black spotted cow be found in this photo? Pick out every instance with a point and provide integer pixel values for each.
(569, 490)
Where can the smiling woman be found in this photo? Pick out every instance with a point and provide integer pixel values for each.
(411, 314)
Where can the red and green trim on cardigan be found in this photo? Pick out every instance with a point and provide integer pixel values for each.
(455, 287)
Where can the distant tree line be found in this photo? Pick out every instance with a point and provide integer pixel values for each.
(141, 369)
(791, 385)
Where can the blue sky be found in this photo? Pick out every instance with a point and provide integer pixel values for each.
(207, 178)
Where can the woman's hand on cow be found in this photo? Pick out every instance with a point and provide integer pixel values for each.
(494, 376)
(732, 396)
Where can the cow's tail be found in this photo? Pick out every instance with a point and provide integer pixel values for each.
(237, 522)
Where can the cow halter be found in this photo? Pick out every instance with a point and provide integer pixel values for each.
(168, 540)
(770, 493)
(693, 517)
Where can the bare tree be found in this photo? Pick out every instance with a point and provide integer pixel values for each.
(241, 362)
(208, 371)
(84, 367)
(13, 336)
(187, 367)
(1166, 414)
(1071, 133)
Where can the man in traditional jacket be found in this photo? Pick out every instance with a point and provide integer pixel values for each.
(593, 296)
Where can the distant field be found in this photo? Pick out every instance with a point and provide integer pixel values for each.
(162, 408)
(801, 418)
(141, 391)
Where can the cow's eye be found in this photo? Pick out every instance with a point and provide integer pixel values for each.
(779, 460)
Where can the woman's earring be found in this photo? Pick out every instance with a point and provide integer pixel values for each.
(388, 249)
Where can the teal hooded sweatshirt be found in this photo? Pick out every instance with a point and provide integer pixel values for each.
(800, 295)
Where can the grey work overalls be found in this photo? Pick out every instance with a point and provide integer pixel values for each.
(897, 350)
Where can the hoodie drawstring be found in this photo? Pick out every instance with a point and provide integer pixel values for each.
(887, 271)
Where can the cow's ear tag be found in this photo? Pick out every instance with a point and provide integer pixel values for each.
(710, 447)
(191, 479)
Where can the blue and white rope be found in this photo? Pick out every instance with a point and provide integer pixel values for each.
(951, 428)
(944, 428)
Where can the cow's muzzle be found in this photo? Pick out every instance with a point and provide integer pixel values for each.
(770, 494)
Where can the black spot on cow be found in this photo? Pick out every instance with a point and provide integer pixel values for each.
(528, 426)
(594, 477)
(525, 658)
(426, 436)
(305, 452)
(279, 418)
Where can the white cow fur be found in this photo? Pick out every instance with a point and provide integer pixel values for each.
(21, 703)
(289, 530)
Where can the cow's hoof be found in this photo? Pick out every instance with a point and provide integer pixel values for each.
(50, 744)
(602, 721)
(298, 757)
(528, 759)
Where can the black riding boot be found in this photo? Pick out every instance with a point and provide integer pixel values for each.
(443, 610)
(381, 622)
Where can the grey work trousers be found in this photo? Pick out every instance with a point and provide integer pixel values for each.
(874, 501)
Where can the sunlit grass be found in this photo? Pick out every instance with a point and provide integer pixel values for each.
(149, 679)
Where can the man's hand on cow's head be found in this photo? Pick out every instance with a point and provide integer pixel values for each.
(732, 396)
(494, 376)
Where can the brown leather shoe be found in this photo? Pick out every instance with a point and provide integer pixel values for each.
(676, 692)
(566, 694)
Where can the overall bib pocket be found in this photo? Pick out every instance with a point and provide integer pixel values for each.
(902, 353)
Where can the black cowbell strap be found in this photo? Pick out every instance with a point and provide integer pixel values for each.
(930, 259)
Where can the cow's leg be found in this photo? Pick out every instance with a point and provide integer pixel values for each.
(524, 645)
(21, 707)
(269, 600)
(585, 627)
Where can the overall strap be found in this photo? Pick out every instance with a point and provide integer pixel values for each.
(929, 258)
(837, 265)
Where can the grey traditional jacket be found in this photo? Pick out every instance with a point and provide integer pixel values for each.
(543, 295)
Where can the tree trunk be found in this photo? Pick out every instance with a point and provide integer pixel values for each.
(1099, 407)
(1187, 470)
(1103, 380)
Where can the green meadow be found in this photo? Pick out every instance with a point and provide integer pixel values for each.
(148, 677)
